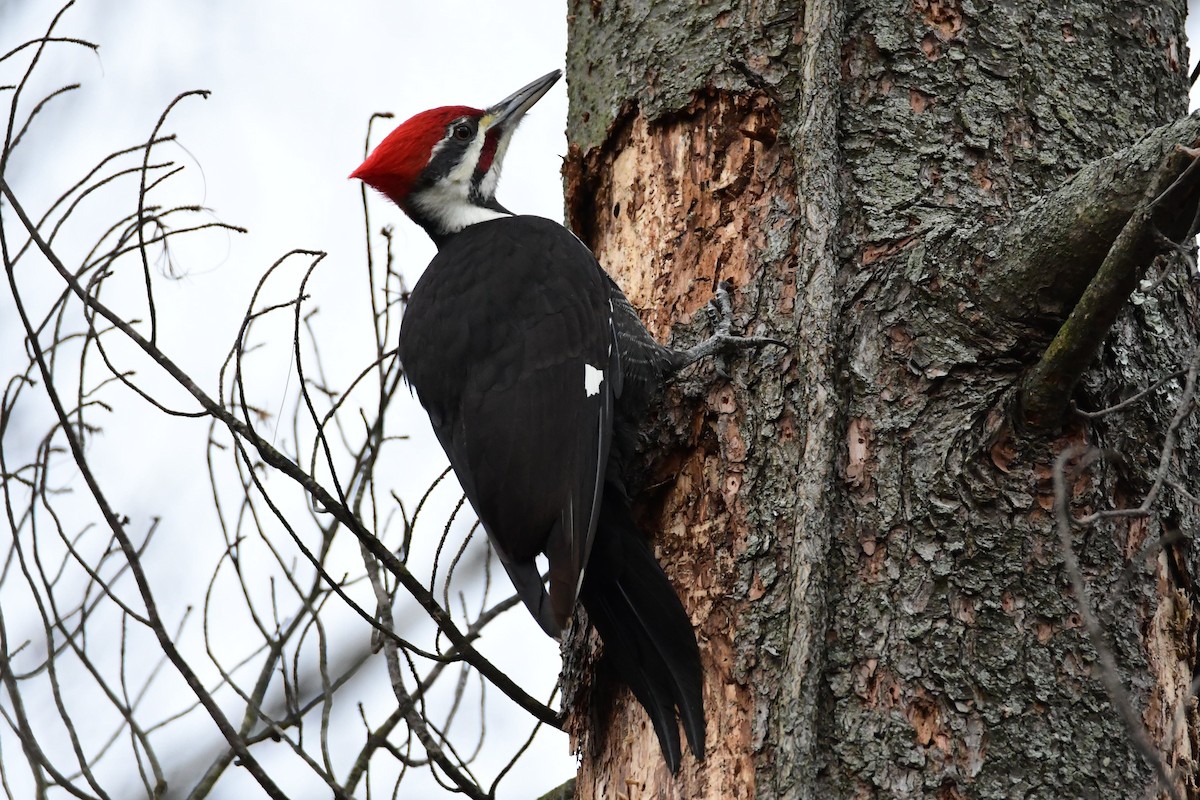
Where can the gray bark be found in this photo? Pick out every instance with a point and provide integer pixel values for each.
(863, 536)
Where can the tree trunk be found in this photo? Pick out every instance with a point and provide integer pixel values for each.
(863, 529)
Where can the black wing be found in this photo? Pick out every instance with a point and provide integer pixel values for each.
(524, 412)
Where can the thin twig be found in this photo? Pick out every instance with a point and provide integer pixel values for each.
(1110, 676)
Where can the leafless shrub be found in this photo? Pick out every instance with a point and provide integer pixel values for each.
(96, 649)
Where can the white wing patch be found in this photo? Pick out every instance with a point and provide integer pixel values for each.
(592, 378)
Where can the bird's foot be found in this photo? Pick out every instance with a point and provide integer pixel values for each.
(722, 343)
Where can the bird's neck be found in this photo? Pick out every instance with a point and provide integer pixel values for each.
(443, 213)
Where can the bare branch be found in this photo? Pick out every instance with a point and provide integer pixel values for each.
(114, 523)
(1110, 676)
(1051, 251)
(1046, 389)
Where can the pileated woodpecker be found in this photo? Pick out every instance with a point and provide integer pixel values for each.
(529, 361)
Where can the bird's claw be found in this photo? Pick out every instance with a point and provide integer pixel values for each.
(720, 309)
(723, 343)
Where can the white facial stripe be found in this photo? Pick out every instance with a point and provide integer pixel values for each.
(437, 148)
(592, 379)
(487, 186)
(466, 168)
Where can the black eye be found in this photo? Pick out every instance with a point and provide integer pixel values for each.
(463, 132)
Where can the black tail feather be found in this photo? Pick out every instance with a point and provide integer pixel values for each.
(647, 634)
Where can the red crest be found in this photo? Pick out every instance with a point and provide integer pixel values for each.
(396, 163)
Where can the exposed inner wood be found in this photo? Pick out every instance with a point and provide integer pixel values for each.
(671, 207)
(677, 208)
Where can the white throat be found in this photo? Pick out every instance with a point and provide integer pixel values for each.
(445, 204)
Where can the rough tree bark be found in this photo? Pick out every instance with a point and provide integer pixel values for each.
(914, 195)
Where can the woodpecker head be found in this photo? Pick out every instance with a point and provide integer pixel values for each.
(442, 166)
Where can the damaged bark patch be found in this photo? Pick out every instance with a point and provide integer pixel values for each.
(671, 206)
(695, 513)
(1172, 706)
(687, 196)
(923, 715)
(944, 16)
(858, 466)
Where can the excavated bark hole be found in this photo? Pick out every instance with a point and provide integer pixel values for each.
(944, 16)
(671, 207)
(688, 190)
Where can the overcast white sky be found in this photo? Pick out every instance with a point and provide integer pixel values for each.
(293, 84)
